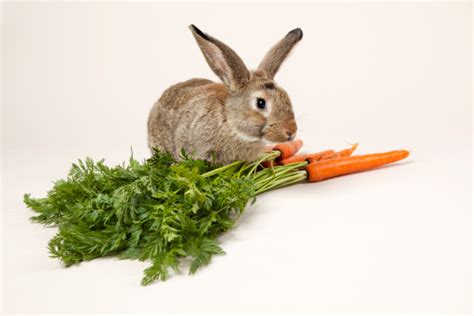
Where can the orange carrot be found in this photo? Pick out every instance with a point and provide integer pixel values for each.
(342, 153)
(346, 152)
(304, 157)
(288, 149)
(326, 169)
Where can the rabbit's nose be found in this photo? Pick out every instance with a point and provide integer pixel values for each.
(291, 135)
(290, 130)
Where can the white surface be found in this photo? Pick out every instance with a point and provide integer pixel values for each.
(79, 80)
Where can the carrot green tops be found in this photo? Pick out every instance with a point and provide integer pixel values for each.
(160, 210)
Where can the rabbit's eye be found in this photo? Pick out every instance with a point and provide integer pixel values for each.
(261, 104)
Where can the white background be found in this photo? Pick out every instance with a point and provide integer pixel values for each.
(79, 79)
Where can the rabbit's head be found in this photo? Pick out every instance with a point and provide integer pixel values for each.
(256, 108)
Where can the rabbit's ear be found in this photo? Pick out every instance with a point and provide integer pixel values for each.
(225, 63)
(277, 54)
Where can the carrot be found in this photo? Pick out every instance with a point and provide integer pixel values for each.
(342, 153)
(288, 149)
(346, 152)
(326, 169)
(304, 157)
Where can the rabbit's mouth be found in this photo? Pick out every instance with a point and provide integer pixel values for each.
(273, 134)
(267, 139)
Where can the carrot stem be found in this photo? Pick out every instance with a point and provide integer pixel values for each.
(222, 169)
(290, 178)
(297, 177)
(268, 178)
(263, 178)
(253, 166)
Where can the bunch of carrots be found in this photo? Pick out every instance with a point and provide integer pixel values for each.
(329, 163)
(164, 210)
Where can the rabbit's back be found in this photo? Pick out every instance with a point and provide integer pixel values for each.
(187, 112)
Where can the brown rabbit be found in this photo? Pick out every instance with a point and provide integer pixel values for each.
(230, 121)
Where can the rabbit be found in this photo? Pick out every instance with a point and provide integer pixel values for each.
(230, 121)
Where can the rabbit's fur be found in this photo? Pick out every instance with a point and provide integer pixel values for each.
(221, 121)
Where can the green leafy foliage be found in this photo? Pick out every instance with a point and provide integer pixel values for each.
(160, 210)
